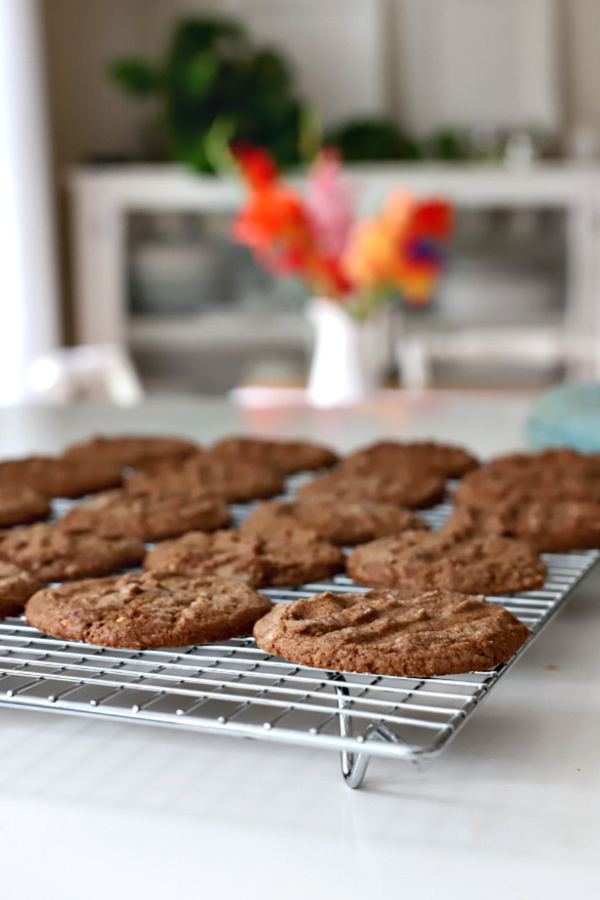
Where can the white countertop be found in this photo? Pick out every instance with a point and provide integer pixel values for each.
(510, 809)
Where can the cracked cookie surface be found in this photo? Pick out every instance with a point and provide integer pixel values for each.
(410, 488)
(485, 564)
(146, 611)
(164, 513)
(290, 558)
(343, 522)
(129, 450)
(52, 554)
(549, 526)
(58, 477)
(20, 505)
(287, 456)
(235, 480)
(393, 456)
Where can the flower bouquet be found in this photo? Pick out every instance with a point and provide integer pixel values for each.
(352, 266)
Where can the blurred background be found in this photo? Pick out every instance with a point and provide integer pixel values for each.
(120, 274)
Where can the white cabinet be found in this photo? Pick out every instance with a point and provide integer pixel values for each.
(102, 198)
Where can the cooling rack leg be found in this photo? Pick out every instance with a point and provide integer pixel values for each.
(354, 765)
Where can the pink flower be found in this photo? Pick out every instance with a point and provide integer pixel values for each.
(329, 203)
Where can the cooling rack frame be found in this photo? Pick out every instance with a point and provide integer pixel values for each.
(233, 688)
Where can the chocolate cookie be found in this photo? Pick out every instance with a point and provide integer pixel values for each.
(550, 527)
(52, 554)
(563, 459)
(471, 565)
(411, 488)
(130, 450)
(20, 505)
(391, 456)
(403, 633)
(146, 611)
(344, 522)
(285, 560)
(287, 456)
(151, 517)
(16, 587)
(57, 477)
(235, 480)
(523, 484)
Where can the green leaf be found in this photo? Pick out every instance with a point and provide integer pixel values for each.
(136, 76)
(200, 73)
(194, 36)
(271, 71)
(217, 141)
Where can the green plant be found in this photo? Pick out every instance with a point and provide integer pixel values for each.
(373, 140)
(449, 145)
(215, 88)
(379, 140)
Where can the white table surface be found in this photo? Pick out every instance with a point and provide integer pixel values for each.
(509, 810)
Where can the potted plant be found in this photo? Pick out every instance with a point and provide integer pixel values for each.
(214, 86)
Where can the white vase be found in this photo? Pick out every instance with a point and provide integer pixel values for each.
(349, 355)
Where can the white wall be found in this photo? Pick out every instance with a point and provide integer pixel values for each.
(581, 61)
(88, 114)
(335, 47)
(478, 63)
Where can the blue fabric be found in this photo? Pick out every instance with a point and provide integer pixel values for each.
(566, 416)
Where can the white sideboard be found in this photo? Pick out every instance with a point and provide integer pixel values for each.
(103, 197)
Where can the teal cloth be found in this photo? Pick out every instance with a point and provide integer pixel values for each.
(566, 416)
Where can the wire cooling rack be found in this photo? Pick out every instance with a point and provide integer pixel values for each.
(233, 688)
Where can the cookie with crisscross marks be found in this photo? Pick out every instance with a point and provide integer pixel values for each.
(415, 634)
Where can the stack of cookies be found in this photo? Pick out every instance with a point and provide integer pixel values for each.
(427, 615)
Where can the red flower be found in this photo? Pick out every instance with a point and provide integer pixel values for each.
(258, 168)
(432, 219)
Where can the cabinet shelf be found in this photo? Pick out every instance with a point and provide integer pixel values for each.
(225, 331)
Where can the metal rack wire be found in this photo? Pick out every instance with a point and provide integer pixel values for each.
(234, 688)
